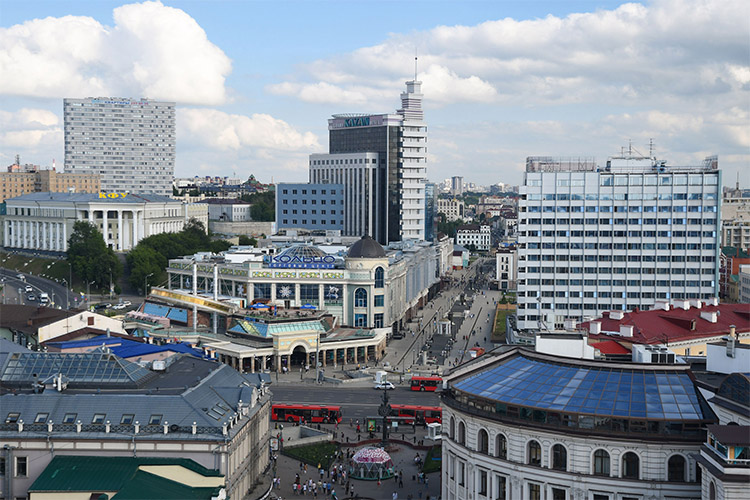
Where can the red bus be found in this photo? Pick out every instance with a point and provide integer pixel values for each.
(425, 383)
(422, 414)
(310, 413)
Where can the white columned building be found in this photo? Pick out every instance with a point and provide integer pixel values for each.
(44, 221)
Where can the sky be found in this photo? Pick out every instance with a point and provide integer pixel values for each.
(256, 81)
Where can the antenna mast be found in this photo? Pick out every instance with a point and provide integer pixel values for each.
(415, 64)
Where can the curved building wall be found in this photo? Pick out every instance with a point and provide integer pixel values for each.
(472, 474)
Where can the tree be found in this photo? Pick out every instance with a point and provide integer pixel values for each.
(263, 205)
(89, 256)
(245, 240)
(143, 261)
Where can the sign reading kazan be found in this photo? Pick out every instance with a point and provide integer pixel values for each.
(360, 121)
(296, 261)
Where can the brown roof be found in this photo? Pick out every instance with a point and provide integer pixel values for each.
(28, 319)
(731, 434)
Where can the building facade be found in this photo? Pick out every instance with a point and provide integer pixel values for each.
(395, 184)
(457, 185)
(14, 184)
(506, 268)
(532, 426)
(368, 286)
(321, 206)
(129, 143)
(44, 221)
(735, 223)
(478, 235)
(593, 239)
(452, 208)
(227, 210)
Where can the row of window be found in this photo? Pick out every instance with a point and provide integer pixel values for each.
(618, 196)
(313, 222)
(652, 179)
(345, 161)
(304, 212)
(70, 418)
(304, 202)
(602, 234)
(312, 191)
(618, 209)
(558, 456)
(678, 221)
(616, 283)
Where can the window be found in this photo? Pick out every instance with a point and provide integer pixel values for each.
(360, 297)
(127, 419)
(98, 418)
(22, 466)
(154, 420)
(712, 491)
(41, 418)
(558, 494)
(534, 453)
(69, 418)
(501, 446)
(379, 277)
(461, 433)
(482, 483)
(452, 428)
(535, 491)
(559, 457)
(630, 465)
(676, 468)
(461, 473)
(601, 463)
(483, 442)
(379, 300)
(501, 487)
(12, 418)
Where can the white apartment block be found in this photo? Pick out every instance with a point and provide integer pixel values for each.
(413, 153)
(506, 268)
(452, 208)
(474, 234)
(44, 221)
(735, 223)
(129, 143)
(595, 239)
(744, 277)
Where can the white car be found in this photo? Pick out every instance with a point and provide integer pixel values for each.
(385, 386)
(29, 289)
(119, 306)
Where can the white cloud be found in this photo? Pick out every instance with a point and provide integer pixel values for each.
(151, 51)
(28, 128)
(226, 132)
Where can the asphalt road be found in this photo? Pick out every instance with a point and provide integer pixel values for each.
(355, 402)
(56, 291)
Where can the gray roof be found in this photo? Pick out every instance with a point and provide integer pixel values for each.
(366, 248)
(208, 400)
(93, 197)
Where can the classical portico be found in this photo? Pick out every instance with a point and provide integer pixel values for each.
(44, 221)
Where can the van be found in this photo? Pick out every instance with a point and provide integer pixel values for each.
(43, 298)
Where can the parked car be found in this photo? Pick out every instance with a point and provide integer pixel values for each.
(103, 305)
(119, 306)
(127, 303)
(384, 386)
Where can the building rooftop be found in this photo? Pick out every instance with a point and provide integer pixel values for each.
(738, 435)
(93, 197)
(597, 388)
(366, 248)
(674, 324)
(130, 477)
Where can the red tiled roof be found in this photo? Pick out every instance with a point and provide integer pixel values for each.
(610, 347)
(659, 326)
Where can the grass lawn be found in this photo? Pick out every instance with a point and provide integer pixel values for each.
(498, 331)
(54, 269)
(313, 454)
(431, 465)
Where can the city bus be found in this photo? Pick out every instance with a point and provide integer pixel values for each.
(310, 413)
(425, 383)
(422, 414)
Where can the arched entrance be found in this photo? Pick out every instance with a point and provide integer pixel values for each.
(299, 356)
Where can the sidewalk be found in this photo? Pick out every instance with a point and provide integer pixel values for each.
(403, 461)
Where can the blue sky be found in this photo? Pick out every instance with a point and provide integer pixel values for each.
(256, 81)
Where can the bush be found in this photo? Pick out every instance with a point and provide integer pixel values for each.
(313, 454)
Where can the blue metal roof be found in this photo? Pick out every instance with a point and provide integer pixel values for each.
(92, 342)
(596, 390)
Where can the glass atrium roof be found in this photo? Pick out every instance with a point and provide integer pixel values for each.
(82, 368)
(614, 392)
(303, 251)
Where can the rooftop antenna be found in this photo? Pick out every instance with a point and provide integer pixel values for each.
(651, 147)
(415, 63)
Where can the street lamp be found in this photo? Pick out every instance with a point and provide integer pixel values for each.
(88, 293)
(67, 294)
(145, 284)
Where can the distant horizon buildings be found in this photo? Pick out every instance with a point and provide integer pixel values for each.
(620, 237)
(130, 143)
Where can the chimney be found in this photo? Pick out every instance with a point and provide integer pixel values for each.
(709, 316)
(616, 315)
(733, 332)
(595, 328)
(661, 304)
(713, 301)
(731, 347)
(696, 303)
(626, 330)
(682, 304)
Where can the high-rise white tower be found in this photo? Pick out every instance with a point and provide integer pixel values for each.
(413, 155)
(129, 143)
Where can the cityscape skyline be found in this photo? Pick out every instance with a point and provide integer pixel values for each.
(501, 81)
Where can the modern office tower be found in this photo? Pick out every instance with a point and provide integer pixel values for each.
(457, 185)
(129, 143)
(394, 186)
(621, 237)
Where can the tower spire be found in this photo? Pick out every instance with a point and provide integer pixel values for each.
(415, 64)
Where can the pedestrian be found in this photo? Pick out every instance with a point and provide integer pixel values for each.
(395, 495)
(401, 481)
(305, 468)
